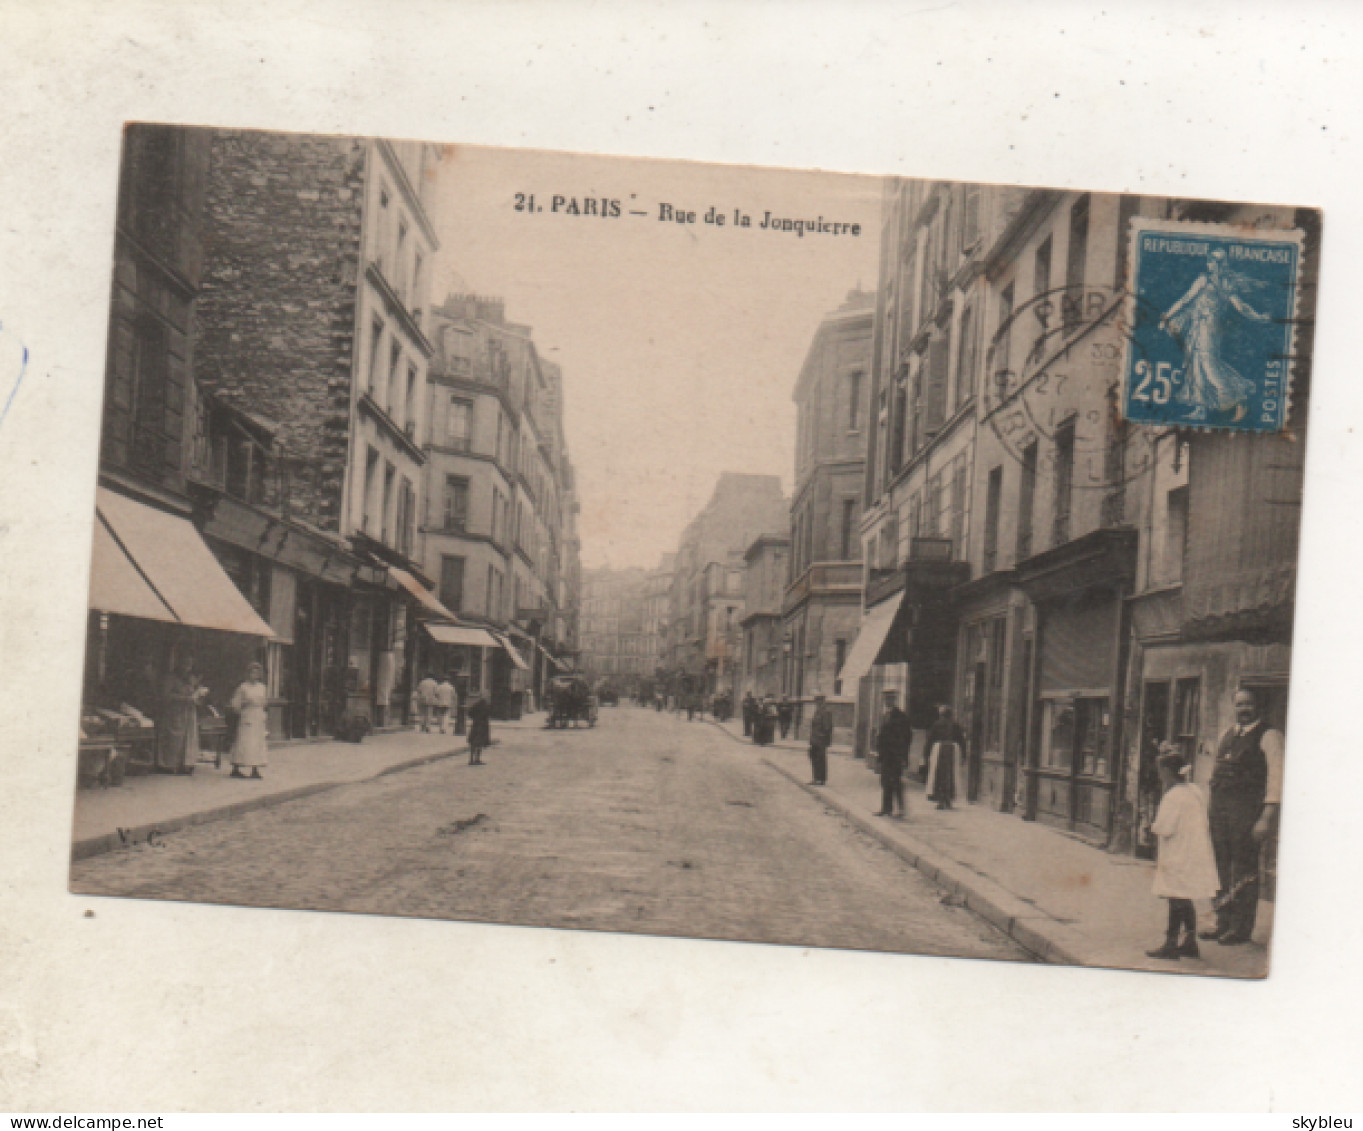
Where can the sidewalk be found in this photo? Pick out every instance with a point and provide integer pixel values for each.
(1063, 899)
(159, 803)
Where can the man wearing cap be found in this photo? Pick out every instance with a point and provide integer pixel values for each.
(892, 746)
(820, 739)
(1246, 789)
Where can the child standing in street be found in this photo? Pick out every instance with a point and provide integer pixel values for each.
(1186, 867)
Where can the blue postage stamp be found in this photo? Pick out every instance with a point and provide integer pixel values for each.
(1210, 325)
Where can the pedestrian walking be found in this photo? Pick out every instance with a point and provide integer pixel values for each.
(425, 692)
(1185, 868)
(445, 699)
(892, 747)
(1246, 790)
(946, 758)
(250, 703)
(785, 712)
(820, 739)
(749, 714)
(764, 724)
(480, 730)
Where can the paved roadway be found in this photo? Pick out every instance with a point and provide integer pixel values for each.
(647, 823)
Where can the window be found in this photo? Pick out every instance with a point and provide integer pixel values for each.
(394, 363)
(965, 358)
(936, 406)
(1026, 500)
(452, 583)
(839, 658)
(854, 401)
(1187, 701)
(1073, 306)
(1064, 484)
(381, 235)
(927, 293)
(957, 529)
(460, 423)
(386, 505)
(407, 518)
(399, 263)
(1003, 351)
(375, 344)
(371, 473)
(151, 349)
(409, 409)
(970, 222)
(1175, 533)
(992, 502)
(1041, 270)
(490, 594)
(415, 298)
(846, 543)
(901, 408)
(456, 502)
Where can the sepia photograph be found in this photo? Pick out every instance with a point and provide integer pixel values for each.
(719, 552)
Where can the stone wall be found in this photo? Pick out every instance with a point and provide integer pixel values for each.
(276, 313)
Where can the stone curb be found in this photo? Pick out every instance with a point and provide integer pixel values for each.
(107, 842)
(1031, 929)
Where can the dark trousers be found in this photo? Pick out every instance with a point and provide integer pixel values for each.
(747, 725)
(818, 763)
(1182, 916)
(891, 791)
(1237, 862)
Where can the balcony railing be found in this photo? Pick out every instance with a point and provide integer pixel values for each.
(824, 578)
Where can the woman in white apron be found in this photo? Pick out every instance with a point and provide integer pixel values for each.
(250, 702)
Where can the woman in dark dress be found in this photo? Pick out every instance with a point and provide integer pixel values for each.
(480, 730)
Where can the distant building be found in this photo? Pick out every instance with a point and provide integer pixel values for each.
(500, 520)
(614, 645)
(706, 609)
(822, 606)
(765, 575)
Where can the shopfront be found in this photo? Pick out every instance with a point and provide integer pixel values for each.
(1079, 592)
(159, 598)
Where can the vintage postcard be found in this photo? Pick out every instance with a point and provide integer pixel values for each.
(708, 551)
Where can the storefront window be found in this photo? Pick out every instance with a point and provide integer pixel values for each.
(1059, 748)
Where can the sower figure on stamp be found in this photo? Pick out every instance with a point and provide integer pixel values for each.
(1246, 789)
(892, 747)
(820, 739)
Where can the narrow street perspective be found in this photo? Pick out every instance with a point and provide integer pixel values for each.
(906, 565)
(645, 822)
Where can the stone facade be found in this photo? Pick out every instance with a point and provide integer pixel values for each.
(277, 314)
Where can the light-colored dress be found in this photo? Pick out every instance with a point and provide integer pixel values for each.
(250, 702)
(1186, 868)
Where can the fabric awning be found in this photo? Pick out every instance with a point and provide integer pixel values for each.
(459, 634)
(514, 653)
(874, 629)
(177, 565)
(117, 587)
(421, 593)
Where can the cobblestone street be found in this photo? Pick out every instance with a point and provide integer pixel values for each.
(646, 824)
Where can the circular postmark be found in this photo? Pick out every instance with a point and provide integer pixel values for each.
(1052, 388)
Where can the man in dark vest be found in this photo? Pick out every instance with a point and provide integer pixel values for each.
(892, 746)
(1246, 789)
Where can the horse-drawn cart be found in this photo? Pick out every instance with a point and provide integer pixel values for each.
(570, 701)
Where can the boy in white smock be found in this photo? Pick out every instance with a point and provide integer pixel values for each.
(1186, 867)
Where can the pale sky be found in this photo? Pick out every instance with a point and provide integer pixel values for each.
(680, 343)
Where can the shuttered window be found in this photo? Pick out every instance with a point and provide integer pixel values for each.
(936, 399)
